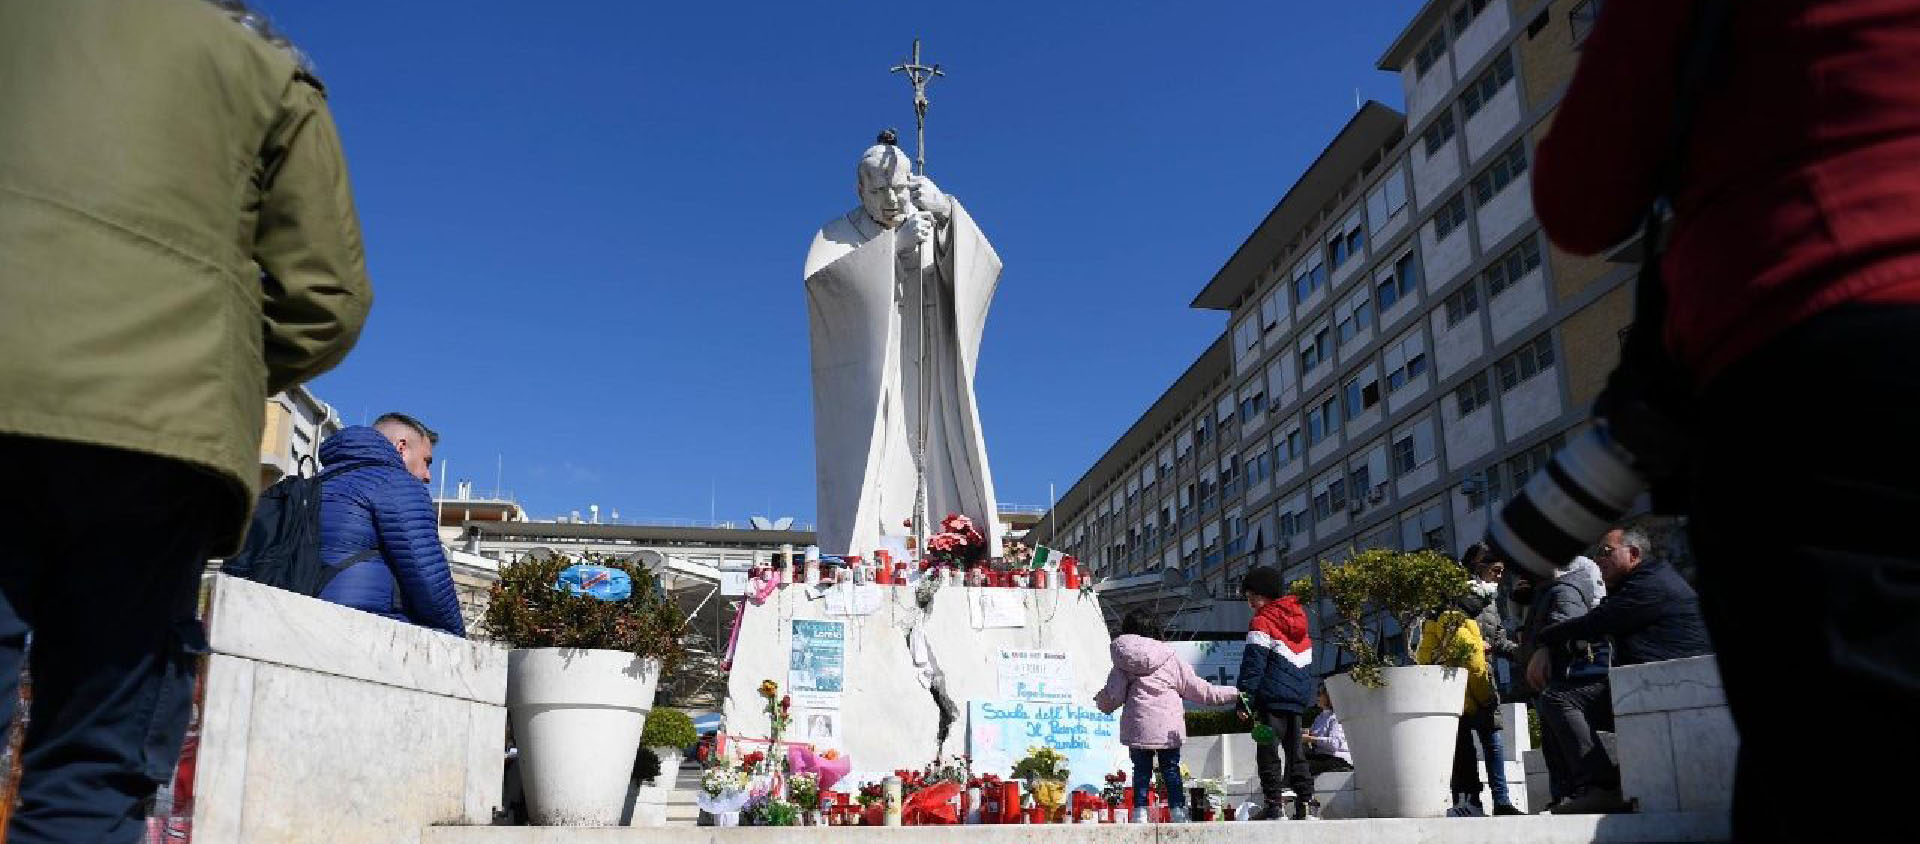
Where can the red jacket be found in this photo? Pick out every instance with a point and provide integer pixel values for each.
(1802, 178)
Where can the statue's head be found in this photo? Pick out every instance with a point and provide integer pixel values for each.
(886, 184)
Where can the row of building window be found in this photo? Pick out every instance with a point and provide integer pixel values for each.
(1525, 362)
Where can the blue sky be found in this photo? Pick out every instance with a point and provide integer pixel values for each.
(585, 222)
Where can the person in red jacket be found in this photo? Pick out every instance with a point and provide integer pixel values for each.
(1793, 303)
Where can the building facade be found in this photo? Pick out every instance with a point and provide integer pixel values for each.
(1403, 348)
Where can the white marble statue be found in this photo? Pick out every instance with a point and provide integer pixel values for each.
(897, 296)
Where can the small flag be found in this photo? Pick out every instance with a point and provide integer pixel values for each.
(1046, 558)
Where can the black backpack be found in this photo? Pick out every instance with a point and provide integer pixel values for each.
(283, 542)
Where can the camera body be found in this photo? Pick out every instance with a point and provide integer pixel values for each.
(1569, 504)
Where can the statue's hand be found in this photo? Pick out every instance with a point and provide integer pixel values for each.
(917, 230)
(929, 197)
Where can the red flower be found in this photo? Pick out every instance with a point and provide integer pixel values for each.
(786, 702)
(752, 759)
(956, 523)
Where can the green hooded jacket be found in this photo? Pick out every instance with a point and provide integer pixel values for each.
(177, 237)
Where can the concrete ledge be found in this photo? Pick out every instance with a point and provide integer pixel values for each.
(1690, 683)
(1545, 829)
(1674, 736)
(255, 622)
(321, 724)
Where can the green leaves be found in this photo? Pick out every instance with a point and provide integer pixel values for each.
(527, 612)
(1405, 586)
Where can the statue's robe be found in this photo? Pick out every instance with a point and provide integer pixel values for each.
(864, 311)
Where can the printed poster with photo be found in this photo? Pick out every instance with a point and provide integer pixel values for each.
(817, 663)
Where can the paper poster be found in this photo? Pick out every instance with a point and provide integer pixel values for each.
(849, 599)
(1216, 662)
(999, 733)
(816, 668)
(999, 608)
(1036, 676)
(818, 727)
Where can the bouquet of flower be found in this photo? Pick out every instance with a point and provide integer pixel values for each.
(958, 544)
(774, 811)
(723, 788)
(957, 769)
(982, 781)
(750, 763)
(1116, 788)
(1041, 763)
(872, 794)
(804, 790)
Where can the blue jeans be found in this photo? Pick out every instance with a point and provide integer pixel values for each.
(1483, 725)
(106, 581)
(1169, 776)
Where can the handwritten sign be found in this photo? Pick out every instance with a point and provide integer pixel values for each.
(999, 608)
(999, 733)
(816, 665)
(1036, 676)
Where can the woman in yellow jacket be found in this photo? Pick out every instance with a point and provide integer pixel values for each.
(1451, 638)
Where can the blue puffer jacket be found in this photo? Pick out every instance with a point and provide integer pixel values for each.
(382, 507)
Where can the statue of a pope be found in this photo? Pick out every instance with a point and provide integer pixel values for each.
(897, 296)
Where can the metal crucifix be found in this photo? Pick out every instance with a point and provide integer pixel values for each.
(919, 75)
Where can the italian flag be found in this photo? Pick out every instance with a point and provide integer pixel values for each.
(1046, 558)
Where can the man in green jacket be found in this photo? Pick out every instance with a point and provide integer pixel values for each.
(177, 243)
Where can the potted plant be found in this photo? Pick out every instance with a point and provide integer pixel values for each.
(646, 796)
(589, 644)
(1400, 718)
(669, 732)
(1045, 772)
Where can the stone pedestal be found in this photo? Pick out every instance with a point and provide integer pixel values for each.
(324, 724)
(1539, 789)
(1674, 736)
(887, 717)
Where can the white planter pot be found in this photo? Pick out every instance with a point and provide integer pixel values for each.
(670, 759)
(1402, 737)
(577, 716)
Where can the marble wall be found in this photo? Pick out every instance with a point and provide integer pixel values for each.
(1674, 735)
(323, 724)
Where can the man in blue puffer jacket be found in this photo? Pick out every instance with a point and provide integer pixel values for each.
(377, 519)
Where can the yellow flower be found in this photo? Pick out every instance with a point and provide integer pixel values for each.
(768, 689)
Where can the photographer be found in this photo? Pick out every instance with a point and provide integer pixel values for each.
(177, 243)
(1786, 137)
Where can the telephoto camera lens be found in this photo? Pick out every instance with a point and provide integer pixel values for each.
(1568, 505)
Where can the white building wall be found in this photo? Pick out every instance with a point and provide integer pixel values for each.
(1518, 306)
(1481, 35)
(1410, 394)
(1445, 259)
(1425, 92)
(1433, 174)
(1531, 403)
(1505, 212)
(1469, 438)
(1458, 346)
(1469, 526)
(1495, 118)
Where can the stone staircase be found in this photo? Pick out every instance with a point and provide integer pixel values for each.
(681, 810)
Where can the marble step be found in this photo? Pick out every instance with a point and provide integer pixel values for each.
(1655, 828)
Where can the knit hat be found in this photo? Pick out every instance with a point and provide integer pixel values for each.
(1264, 581)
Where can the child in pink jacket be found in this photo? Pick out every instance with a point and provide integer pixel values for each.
(1151, 681)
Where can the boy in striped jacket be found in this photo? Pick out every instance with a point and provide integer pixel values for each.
(1275, 680)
